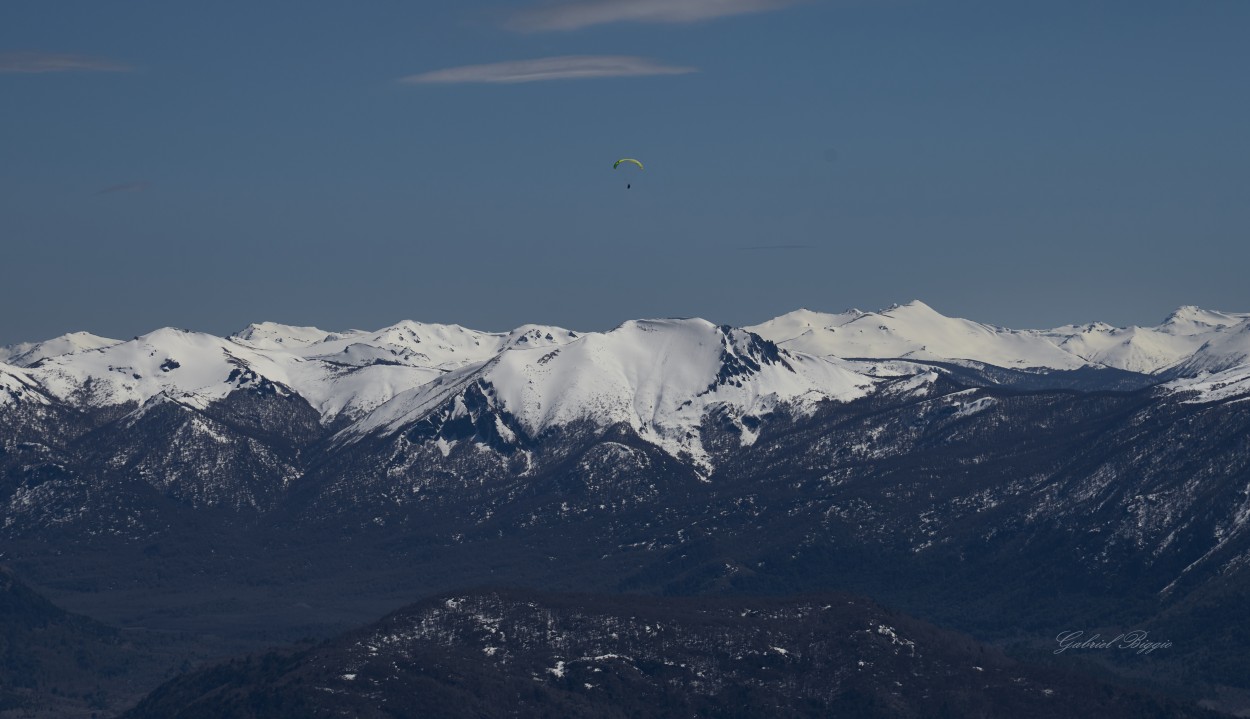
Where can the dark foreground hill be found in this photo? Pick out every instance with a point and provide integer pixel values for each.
(57, 664)
(525, 654)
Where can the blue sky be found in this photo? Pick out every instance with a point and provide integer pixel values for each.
(213, 164)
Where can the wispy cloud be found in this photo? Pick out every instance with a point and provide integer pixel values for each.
(777, 247)
(568, 67)
(124, 187)
(577, 14)
(42, 62)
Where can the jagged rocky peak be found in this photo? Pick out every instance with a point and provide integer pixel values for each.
(530, 336)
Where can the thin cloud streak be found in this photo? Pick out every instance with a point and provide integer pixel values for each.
(577, 14)
(568, 67)
(46, 62)
(777, 247)
(124, 187)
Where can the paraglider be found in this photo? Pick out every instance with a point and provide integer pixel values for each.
(629, 160)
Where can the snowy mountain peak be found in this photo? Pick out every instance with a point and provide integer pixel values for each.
(29, 353)
(799, 322)
(1190, 320)
(914, 307)
(915, 331)
(1185, 312)
(659, 377)
(168, 359)
(415, 331)
(1169, 347)
(272, 335)
(1224, 348)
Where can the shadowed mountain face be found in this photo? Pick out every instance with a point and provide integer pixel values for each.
(1011, 515)
(520, 654)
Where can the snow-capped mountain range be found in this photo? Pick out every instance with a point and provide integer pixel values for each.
(670, 455)
(660, 377)
(1215, 340)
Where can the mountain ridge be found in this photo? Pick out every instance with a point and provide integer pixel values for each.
(665, 456)
(356, 379)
